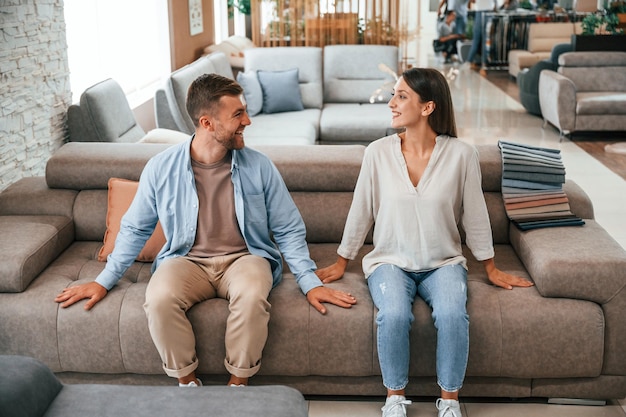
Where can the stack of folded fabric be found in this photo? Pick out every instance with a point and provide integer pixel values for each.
(532, 187)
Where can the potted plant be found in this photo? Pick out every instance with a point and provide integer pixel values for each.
(600, 32)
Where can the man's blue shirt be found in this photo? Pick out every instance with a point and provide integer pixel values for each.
(267, 216)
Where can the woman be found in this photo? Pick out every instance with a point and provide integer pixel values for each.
(416, 187)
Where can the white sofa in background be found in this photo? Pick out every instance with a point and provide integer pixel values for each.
(336, 85)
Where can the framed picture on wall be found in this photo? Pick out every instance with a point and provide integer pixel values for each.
(195, 17)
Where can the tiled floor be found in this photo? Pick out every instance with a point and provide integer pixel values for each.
(485, 114)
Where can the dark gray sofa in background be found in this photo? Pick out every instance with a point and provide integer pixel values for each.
(562, 338)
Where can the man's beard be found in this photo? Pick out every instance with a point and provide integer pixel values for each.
(231, 141)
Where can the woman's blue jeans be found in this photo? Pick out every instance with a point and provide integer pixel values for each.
(444, 289)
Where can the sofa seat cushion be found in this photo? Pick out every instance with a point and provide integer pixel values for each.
(270, 131)
(42, 239)
(286, 123)
(344, 123)
(526, 59)
(601, 102)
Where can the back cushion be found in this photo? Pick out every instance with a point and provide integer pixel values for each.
(595, 70)
(179, 82)
(307, 59)
(543, 36)
(352, 73)
(104, 106)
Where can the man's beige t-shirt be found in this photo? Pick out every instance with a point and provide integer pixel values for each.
(218, 231)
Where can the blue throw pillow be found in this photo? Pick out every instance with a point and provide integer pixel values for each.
(251, 91)
(281, 91)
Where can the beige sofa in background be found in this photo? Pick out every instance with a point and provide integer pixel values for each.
(541, 39)
(562, 338)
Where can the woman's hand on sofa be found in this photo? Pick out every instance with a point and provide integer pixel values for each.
(504, 279)
(332, 272)
(92, 290)
(319, 295)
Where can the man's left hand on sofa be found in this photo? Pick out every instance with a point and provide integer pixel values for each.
(319, 295)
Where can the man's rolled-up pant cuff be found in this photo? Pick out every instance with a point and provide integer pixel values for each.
(241, 372)
(179, 373)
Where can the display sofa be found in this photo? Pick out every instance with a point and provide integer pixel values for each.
(586, 93)
(337, 85)
(562, 338)
(28, 388)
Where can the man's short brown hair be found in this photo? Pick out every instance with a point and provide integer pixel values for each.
(205, 92)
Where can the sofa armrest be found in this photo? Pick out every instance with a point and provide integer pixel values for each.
(557, 99)
(160, 135)
(28, 244)
(583, 262)
(27, 386)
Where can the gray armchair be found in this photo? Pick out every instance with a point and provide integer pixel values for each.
(104, 115)
(528, 80)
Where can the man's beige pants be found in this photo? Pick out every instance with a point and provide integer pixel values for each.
(243, 279)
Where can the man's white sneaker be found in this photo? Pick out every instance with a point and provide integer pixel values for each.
(448, 408)
(191, 384)
(395, 406)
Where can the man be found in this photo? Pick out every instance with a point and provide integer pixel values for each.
(221, 206)
(446, 36)
(461, 8)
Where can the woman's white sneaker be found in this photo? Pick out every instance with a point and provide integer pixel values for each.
(395, 406)
(448, 408)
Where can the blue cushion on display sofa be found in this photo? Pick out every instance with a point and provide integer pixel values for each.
(281, 91)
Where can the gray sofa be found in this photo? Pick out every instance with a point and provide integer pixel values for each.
(336, 84)
(564, 337)
(586, 93)
(29, 389)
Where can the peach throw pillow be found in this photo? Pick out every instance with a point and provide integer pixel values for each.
(121, 194)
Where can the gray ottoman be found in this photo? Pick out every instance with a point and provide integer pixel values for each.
(28, 388)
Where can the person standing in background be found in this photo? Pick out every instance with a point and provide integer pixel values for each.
(480, 8)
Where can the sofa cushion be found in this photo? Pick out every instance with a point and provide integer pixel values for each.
(106, 115)
(354, 122)
(308, 60)
(280, 131)
(252, 91)
(601, 102)
(42, 239)
(594, 70)
(543, 36)
(180, 80)
(281, 91)
(352, 73)
(121, 194)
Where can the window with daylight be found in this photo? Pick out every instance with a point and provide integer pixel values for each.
(120, 39)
